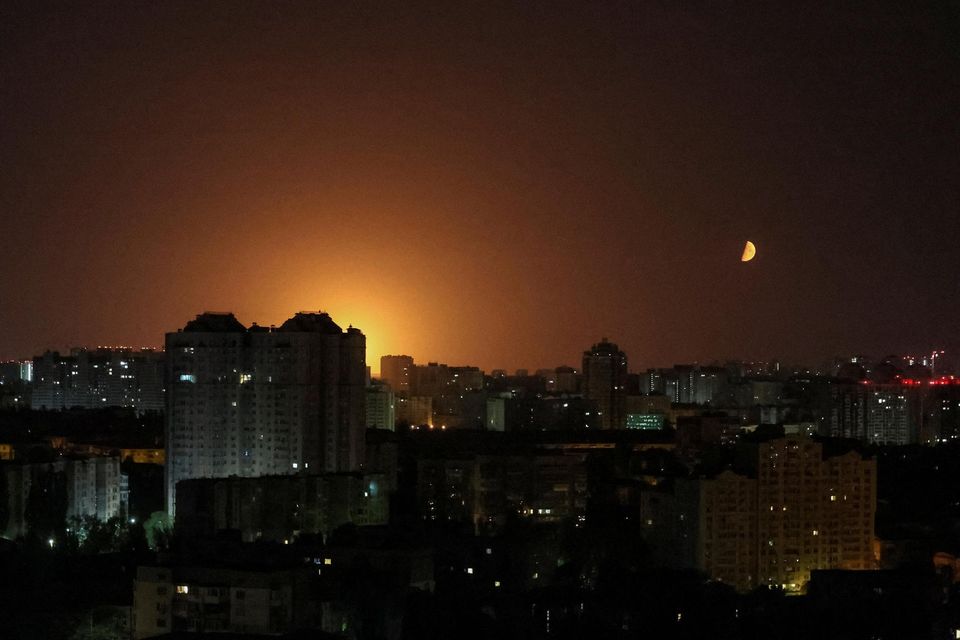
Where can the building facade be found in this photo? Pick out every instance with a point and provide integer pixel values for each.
(93, 486)
(485, 490)
(605, 382)
(397, 371)
(802, 512)
(879, 413)
(99, 378)
(381, 409)
(258, 401)
(212, 600)
(277, 508)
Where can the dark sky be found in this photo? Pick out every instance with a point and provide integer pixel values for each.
(498, 184)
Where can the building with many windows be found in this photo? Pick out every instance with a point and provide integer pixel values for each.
(104, 377)
(800, 512)
(878, 413)
(263, 401)
(214, 600)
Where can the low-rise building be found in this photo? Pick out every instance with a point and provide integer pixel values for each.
(485, 489)
(206, 600)
(278, 508)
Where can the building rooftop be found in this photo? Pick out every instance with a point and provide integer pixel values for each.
(311, 322)
(215, 322)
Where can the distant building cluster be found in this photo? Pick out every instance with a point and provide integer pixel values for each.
(880, 404)
(247, 439)
(99, 378)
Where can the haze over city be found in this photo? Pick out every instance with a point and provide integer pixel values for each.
(479, 320)
(492, 184)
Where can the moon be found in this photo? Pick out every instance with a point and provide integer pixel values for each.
(749, 251)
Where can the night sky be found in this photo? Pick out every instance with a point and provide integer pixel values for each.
(497, 184)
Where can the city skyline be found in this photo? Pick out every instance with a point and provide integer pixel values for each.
(824, 360)
(479, 320)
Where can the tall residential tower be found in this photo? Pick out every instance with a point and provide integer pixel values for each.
(605, 382)
(263, 401)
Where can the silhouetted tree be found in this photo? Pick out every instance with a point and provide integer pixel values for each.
(158, 530)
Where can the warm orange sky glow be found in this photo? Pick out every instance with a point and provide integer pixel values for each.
(490, 185)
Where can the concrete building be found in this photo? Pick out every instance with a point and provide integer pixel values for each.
(942, 412)
(726, 538)
(215, 600)
(396, 371)
(94, 487)
(801, 512)
(99, 378)
(605, 382)
(888, 417)
(414, 410)
(381, 411)
(277, 508)
(646, 412)
(565, 380)
(485, 490)
(879, 413)
(15, 382)
(434, 380)
(496, 415)
(258, 401)
(11, 372)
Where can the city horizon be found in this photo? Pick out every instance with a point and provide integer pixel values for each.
(479, 321)
(373, 361)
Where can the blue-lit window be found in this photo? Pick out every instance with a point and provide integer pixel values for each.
(187, 377)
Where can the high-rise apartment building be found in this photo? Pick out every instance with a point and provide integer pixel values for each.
(800, 513)
(257, 401)
(381, 411)
(99, 378)
(605, 382)
(878, 413)
(396, 371)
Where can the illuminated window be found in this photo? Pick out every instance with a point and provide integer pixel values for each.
(182, 588)
(187, 377)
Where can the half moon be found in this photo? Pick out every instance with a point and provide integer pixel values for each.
(749, 251)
